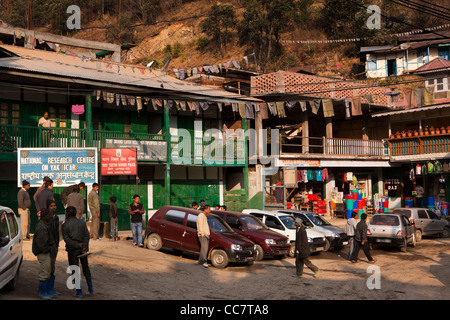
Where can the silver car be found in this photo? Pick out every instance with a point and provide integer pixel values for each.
(336, 236)
(392, 229)
(426, 221)
(10, 248)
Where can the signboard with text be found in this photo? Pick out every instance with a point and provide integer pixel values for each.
(147, 150)
(119, 161)
(65, 167)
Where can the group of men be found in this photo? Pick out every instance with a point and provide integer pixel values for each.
(46, 236)
(70, 197)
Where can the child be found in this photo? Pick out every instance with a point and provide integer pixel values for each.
(113, 214)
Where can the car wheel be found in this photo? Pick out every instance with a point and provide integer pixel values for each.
(404, 245)
(327, 245)
(445, 233)
(154, 241)
(259, 253)
(418, 235)
(219, 258)
(10, 286)
(292, 250)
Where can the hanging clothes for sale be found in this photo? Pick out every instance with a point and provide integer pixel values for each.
(303, 105)
(328, 110)
(272, 108)
(299, 175)
(430, 167)
(290, 104)
(242, 112)
(412, 176)
(429, 95)
(249, 113)
(304, 176)
(310, 174)
(319, 175)
(325, 174)
(315, 105)
(264, 111)
(419, 97)
(424, 169)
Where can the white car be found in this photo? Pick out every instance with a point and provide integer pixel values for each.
(11, 254)
(285, 224)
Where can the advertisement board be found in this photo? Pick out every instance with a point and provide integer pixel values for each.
(64, 166)
(147, 150)
(118, 161)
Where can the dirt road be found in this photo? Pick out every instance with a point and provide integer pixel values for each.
(122, 271)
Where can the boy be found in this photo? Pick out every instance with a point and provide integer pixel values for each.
(113, 215)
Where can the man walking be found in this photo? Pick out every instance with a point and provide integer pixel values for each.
(94, 207)
(75, 199)
(76, 237)
(44, 196)
(43, 247)
(350, 229)
(24, 203)
(203, 234)
(361, 240)
(136, 210)
(302, 250)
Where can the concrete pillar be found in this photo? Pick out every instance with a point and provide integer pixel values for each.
(305, 133)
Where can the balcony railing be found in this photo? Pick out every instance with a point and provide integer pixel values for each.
(333, 146)
(439, 143)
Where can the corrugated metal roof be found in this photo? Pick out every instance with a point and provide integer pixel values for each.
(67, 66)
(437, 64)
(422, 109)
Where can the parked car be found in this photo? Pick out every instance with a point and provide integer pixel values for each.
(426, 221)
(176, 228)
(284, 223)
(336, 237)
(393, 229)
(11, 254)
(268, 242)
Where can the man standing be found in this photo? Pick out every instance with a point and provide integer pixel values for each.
(361, 240)
(94, 207)
(76, 237)
(350, 228)
(75, 199)
(203, 234)
(136, 210)
(302, 249)
(44, 196)
(70, 189)
(46, 124)
(43, 247)
(42, 187)
(24, 203)
(53, 228)
(419, 198)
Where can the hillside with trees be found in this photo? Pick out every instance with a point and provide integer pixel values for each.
(269, 33)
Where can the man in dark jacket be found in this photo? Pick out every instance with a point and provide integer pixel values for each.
(44, 196)
(43, 247)
(70, 189)
(53, 226)
(361, 240)
(302, 249)
(76, 236)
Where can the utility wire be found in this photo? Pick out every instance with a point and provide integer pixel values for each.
(436, 5)
(422, 8)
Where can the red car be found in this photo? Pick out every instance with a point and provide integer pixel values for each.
(268, 242)
(176, 228)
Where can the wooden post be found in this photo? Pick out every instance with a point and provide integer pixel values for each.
(305, 133)
(89, 123)
(245, 170)
(168, 139)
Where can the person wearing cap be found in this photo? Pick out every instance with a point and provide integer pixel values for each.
(302, 250)
(24, 204)
(76, 237)
(43, 247)
(136, 210)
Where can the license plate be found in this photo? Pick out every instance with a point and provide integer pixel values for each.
(319, 248)
(384, 240)
(283, 251)
(345, 242)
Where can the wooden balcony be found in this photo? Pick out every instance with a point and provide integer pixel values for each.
(420, 147)
(333, 147)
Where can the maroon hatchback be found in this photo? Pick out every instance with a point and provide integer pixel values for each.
(268, 242)
(176, 228)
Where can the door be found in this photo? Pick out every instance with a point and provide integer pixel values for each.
(6, 252)
(171, 228)
(424, 222)
(189, 237)
(436, 224)
(408, 227)
(392, 67)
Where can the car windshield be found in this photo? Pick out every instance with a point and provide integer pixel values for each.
(385, 220)
(318, 220)
(288, 221)
(253, 223)
(217, 225)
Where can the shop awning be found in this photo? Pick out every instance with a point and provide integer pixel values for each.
(422, 109)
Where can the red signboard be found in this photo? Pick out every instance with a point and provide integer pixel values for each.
(118, 162)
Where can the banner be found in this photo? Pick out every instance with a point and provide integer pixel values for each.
(65, 167)
(118, 162)
(147, 150)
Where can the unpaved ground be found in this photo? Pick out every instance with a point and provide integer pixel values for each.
(124, 272)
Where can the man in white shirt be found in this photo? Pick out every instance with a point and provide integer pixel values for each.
(419, 198)
(203, 233)
(45, 123)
